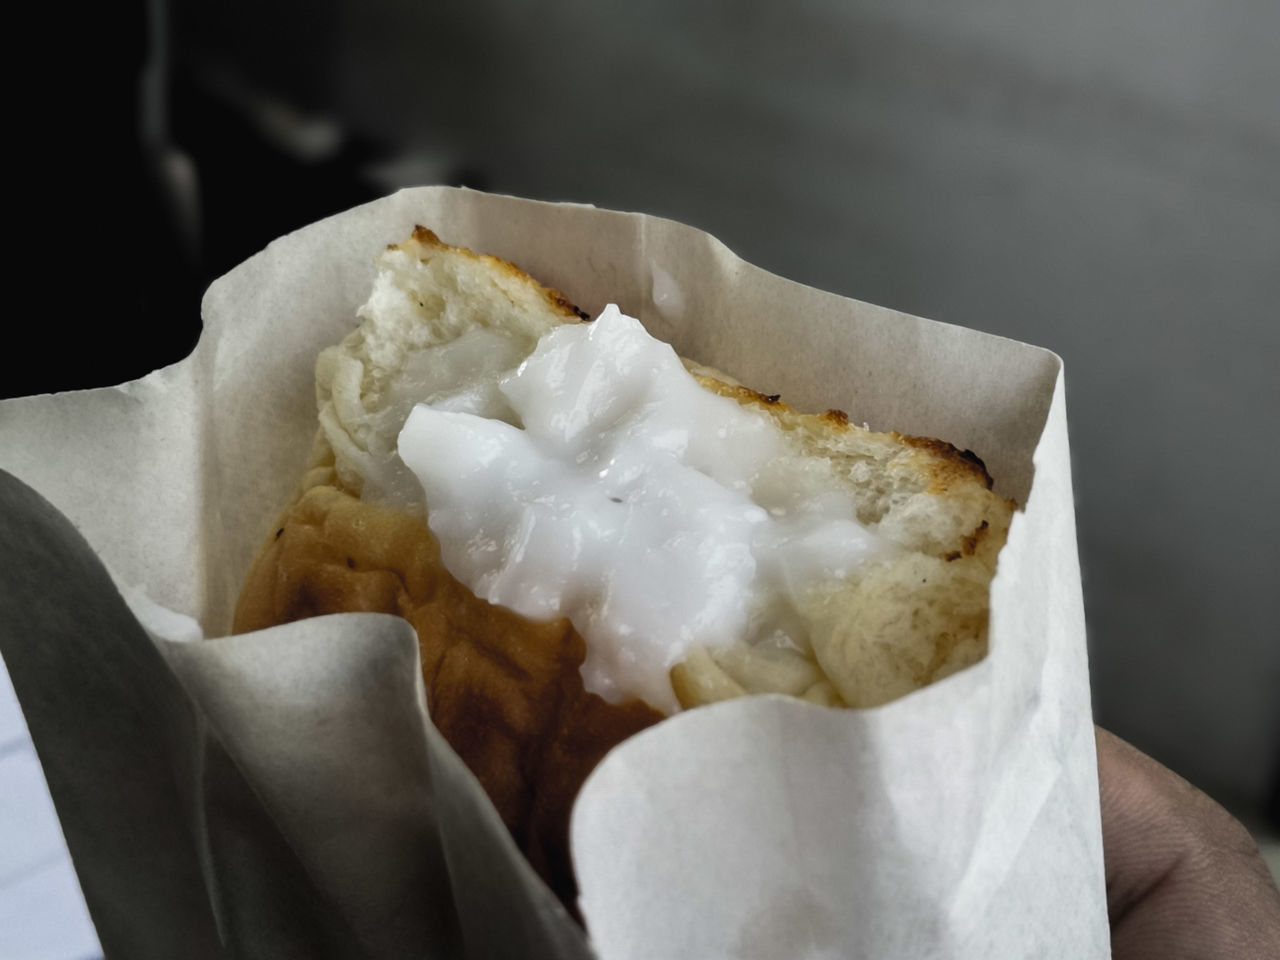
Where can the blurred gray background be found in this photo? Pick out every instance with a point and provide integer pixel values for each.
(1101, 178)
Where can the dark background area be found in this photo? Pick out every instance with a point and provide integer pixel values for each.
(1103, 180)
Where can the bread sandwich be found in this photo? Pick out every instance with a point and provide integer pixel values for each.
(590, 534)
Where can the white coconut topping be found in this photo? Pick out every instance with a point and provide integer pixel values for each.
(599, 481)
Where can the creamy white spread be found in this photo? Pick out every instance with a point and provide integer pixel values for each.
(598, 481)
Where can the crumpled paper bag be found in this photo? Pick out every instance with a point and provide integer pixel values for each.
(284, 794)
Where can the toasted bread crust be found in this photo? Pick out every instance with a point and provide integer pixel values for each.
(946, 464)
(429, 243)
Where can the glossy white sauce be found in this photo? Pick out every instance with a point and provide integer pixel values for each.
(600, 482)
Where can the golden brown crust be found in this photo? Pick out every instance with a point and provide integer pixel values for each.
(947, 465)
(428, 239)
(952, 464)
(837, 417)
(504, 691)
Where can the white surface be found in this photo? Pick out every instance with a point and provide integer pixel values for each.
(42, 912)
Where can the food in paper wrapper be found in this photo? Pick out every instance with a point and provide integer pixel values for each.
(609, 533)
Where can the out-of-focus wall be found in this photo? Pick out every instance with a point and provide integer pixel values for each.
(1101, 178)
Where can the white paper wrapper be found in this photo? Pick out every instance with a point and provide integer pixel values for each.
(283, 793)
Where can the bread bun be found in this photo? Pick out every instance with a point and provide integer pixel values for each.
(506, 691)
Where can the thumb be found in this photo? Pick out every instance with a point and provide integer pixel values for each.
(1184, 878)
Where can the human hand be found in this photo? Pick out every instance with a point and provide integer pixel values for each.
(1184, 878)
